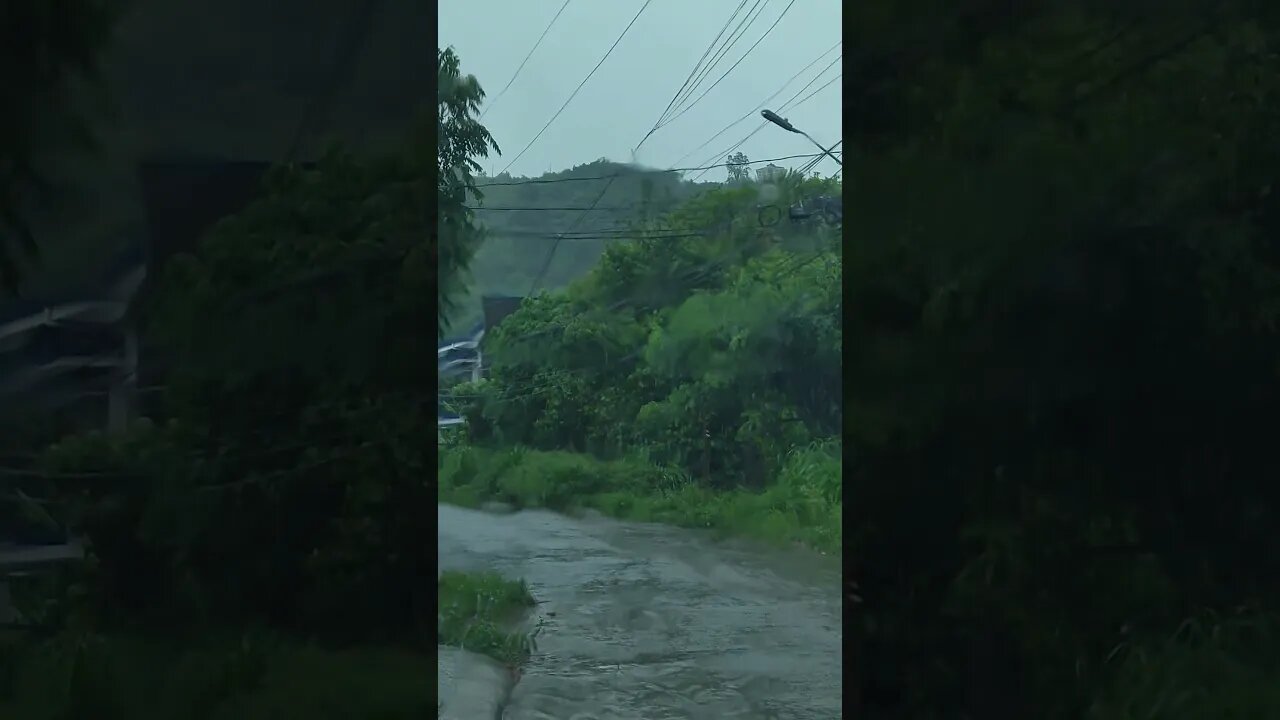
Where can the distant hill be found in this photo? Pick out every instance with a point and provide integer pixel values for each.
(522, 216)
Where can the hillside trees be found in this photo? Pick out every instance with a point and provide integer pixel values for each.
(711, 344)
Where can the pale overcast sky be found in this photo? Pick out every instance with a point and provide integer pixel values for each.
(626, 96)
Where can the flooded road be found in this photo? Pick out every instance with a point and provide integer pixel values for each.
(649, 622)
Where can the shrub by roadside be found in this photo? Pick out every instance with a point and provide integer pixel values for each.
(480, 612)
(803, 505)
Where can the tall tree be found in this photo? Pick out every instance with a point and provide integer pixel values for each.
(463, 141)
(50, 46)
(739, 167)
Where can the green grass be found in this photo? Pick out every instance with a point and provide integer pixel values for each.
(481, 612)
(803, 505)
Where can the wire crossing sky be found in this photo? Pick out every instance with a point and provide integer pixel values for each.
(619, 104)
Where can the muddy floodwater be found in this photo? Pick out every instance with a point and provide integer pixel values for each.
(649, 622)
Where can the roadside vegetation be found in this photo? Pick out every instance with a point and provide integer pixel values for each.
(690, 374)
(802, 506)
(485, 613)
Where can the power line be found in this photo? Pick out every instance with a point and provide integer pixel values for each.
(764, 123)
(804, 169)
(731, 67)
(760, 106)
(556, 243)
(526, 59)
(752, 15)
(809, 84)
(820, 89)
(694, 273)
(692, 72)
(789, 104)
(580, 85)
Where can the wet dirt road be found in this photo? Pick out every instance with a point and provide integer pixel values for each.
(649, 622)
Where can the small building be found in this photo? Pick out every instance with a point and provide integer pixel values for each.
(770, 173)
(497, 308)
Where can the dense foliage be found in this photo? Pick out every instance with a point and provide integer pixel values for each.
(461, 142)
(690, 373)
(1062, 358)
(710, 343)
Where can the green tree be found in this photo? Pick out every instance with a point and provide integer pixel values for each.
(739, 167)
(461, 142)
(50, 47)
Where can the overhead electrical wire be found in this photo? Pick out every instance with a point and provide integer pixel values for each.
(784, 107)
(762, 104)
(688, 107)
(809, 166)
(791, 102)
(689, 274)
(556, 242)
(824, 86)
(537, 279)
(692, 72)
(516, 74)
(745, 24)
(580, 85)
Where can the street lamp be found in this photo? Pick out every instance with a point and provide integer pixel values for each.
(783, 123)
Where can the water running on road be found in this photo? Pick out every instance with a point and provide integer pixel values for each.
(648, 622)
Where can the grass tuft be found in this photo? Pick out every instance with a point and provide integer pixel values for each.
(481, 612)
